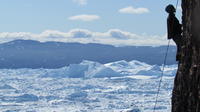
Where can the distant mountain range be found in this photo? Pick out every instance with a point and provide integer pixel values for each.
(34, 54)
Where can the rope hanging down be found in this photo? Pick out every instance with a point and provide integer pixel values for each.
(163, 69)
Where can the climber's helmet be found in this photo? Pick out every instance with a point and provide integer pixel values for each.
(170, 9)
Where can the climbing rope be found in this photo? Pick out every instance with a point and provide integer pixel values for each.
(160, 82)
(163, 69)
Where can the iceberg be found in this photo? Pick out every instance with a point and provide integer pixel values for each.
(86, 69)
(90, 69)
(152, 71)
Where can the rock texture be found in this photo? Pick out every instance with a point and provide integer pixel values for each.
(186, 92)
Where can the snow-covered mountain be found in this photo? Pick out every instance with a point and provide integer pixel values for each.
(86, 87)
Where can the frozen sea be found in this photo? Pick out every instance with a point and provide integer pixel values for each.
(87, 87)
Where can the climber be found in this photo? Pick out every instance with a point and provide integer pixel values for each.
(174, 29)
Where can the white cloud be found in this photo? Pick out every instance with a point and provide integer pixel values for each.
(81, 2)
(132, 10)
(80, 33)
(116, 33)
(84, 17)
(115, 37)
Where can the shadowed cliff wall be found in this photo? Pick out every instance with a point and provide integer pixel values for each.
(186, 92)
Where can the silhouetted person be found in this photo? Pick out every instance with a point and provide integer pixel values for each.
(174, 29)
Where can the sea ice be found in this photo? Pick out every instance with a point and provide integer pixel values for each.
(87, 87)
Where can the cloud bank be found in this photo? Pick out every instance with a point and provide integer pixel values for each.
(114, 37)
(84, 17)
(132, 10)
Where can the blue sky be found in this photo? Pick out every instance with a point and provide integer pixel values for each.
(37, 16)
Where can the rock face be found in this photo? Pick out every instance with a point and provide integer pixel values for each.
(186, 92)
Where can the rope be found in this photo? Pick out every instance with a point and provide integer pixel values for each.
(163, 69)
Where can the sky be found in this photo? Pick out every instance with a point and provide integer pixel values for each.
(98, 20)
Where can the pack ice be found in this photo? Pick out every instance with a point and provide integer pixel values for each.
(87, 87)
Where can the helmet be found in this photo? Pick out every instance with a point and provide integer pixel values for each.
(170, 9)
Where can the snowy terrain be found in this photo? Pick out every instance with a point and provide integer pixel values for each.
(86, 87)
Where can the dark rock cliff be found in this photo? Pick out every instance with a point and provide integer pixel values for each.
(186, 92)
